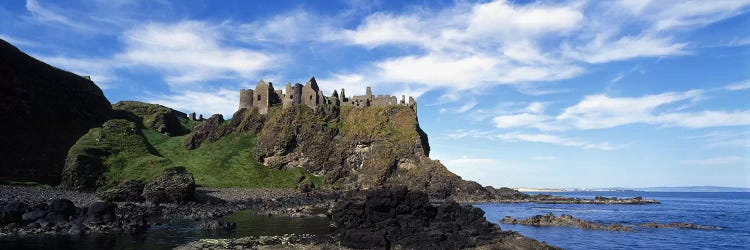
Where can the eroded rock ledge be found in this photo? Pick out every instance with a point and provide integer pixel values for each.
(564, 221)
(570, 221)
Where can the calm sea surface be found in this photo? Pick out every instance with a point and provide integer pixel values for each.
(731, 211)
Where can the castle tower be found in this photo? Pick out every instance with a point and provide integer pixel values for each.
(310, 94)
(246, 98)
(261, 97)
(403, 99)
(368, 93)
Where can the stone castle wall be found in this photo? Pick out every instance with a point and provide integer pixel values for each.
(310, 95)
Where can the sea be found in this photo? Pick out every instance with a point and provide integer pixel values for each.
(730, 211)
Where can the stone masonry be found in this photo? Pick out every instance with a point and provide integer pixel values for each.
(264, 96)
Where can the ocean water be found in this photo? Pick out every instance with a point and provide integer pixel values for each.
(731, 211)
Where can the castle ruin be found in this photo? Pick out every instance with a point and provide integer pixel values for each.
(264, 96)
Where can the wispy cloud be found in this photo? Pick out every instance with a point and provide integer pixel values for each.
(738, 86)
(725, 160)
(47, 14)
(190, 52)
(555, 140)
(220, 101)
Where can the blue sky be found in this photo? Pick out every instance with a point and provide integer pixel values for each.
(512, 93)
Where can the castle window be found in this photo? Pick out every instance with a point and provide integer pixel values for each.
(258, 97)
(291, 96)
(310, 98)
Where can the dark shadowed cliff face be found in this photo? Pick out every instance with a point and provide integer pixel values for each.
(44, 110)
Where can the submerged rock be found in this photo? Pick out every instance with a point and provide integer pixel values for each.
(174, 185)
(564, 221)
(678, 225)
(217, 225)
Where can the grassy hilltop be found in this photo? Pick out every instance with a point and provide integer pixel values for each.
(122, 150)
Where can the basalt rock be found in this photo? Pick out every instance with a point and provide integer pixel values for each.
(208, 131)
(565, 221)
(44, 110)
(174, 185)
(101, 212)
(678, 225)
(217, 225)
(399, 218)
(12, 213)
(130, 190)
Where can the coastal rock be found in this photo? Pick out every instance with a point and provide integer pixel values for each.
(306, 186)
(217, 225)
(101, 212)
(564, 221)
(12, 213)
(399, 218)
(60, 210)
(678, 225)
(130, 190)
(174, 185)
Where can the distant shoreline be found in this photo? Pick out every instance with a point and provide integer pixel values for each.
(654, 189)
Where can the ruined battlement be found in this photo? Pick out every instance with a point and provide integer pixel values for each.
(310, 95)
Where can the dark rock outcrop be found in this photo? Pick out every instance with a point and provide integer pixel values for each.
(399, 218)
(217, 225)
(61, 216)
(174, 185)
(306, 186)
(678, 225)
(564, 221)
(153, 116)
(101, 212)
(44, 111)
(130, 190)
(208, 131)
(12, 213)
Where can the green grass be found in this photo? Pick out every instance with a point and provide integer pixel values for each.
(227, 162)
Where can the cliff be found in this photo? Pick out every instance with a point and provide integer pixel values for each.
(359, 148)
(44, 111)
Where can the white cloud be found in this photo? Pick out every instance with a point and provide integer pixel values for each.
(501, 42)
(15, 41)
(726, 160)
(531, 116)
(289, 27)
(189, 52)
(222, 101)
(605, 49)
(738, 86)
(555, 140)
(519, 120)
(46, 14)
(602, 111)
(544, 158)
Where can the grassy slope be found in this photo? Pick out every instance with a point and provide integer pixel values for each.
(224, 163)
